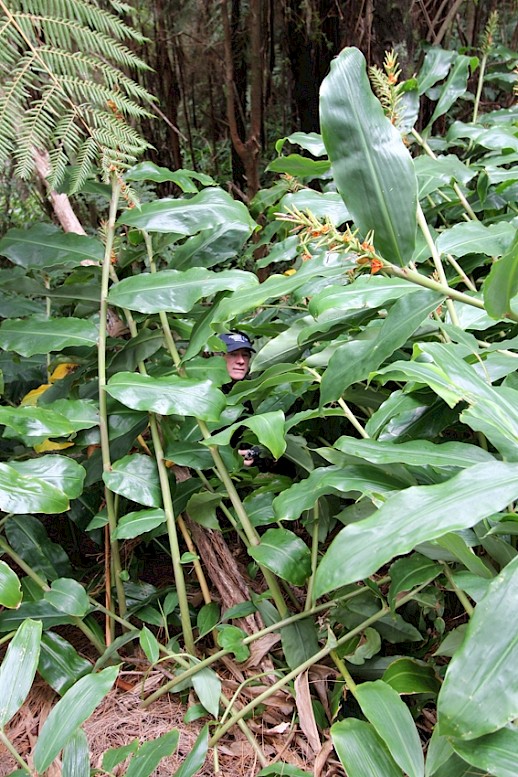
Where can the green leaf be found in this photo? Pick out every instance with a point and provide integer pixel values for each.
(136, 477)
(475, 238)
(406, 573)
(26, 494)
(69, 713)
(34, 335)
(205, 210)
(29, 539)
(415, 515)
(361, 750)
(148, 756)
(40, 611)
(68, 596)
(299, 166)
(310, 141)
(280, 769)
(481, 674)
(76, 756)
(419, 453)
(175, 290)
(363, 478)
(432, 174)
(147, 171)
(501, 285)
(211, 246)
(366, 291)
(196, 758)
(231, 638)
(136, 523)
(62, 472)
(149, 644)
(299, 641)
(207, 685)
(18, 669)
(116, 755)
(285, 554)
(372, 168)
(406, 675)
(436, 66)
(10, 588)
(321, 204)
(202, 508)
(43, 246)
(60, 664)
(37, 422)
(168, 395)
(354, 360)
(267, 427)
(393, 722)
(494, 753)
(454, 87)
(207, 618)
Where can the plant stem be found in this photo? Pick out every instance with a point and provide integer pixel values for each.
(480, 85)
(461, 596)
(345, 407)
(103, 411)
(15, 754)
(349, 682)
(314, 556)
(437, 261)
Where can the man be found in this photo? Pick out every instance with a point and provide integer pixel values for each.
(237, 357)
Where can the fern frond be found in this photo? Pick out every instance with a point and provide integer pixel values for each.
(78, 90)
(36, 130)
(85, 160)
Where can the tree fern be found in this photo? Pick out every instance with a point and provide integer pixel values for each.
(63, 87)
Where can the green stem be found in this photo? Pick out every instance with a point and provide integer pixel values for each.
(15, 754)
(480, 85)
(173, 537)
(461, 596)
(314, 556)
(349, 682)
(343, 404)
(437, 261)
(103, 411)
(456, 266)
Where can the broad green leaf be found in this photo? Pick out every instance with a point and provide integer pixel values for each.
(149, 644)
(370, 291)
(415, 515)
(321, 204)
(62, 472)
(116, 755)
(211, 246)
(393, 722)
(406, 573)
(29, 539)
(361, 750)
(68, 596)
(285, 554)
(418, 453)
(310, 141)
(188, 454)
(168, 395)
(148, 756)
(148, 171)
(281, 769)
(457, 546)
(501, 285)
(205, 210)
(10, 588)
(136, 523)
(27, 494)
(299, 166)
(392, 627)
(435, 173)
(43, 246)
(37, 422)
(495, 753)
(202, 508)
(207, 685)
(267, 427)
(354, 360)
(364, 648)
(207, 618)
(38, 611)
(76, 756)
(475, 238)
(481, 674)
(363, 478)
(436, 66)
(80, 413)
(231, 638)
(60, 665)
(136, 477)
(196, 758)
(299, 641)
(439, 751)
(69, 713)
(34, 335)
(407, 675)
(454, 87)
(18, 669)
(372, 168)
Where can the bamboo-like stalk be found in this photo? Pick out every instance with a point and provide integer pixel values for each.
(314, 556)
(461, 596)
(421, 220)
(103, 412)
(14, 752)
(343, 404)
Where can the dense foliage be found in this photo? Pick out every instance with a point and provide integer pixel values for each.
(385, 379)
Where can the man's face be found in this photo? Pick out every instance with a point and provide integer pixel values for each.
(238, 363)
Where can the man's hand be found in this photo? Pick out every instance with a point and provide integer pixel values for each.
(249, 456)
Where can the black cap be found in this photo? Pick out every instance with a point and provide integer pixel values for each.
(236, 340)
